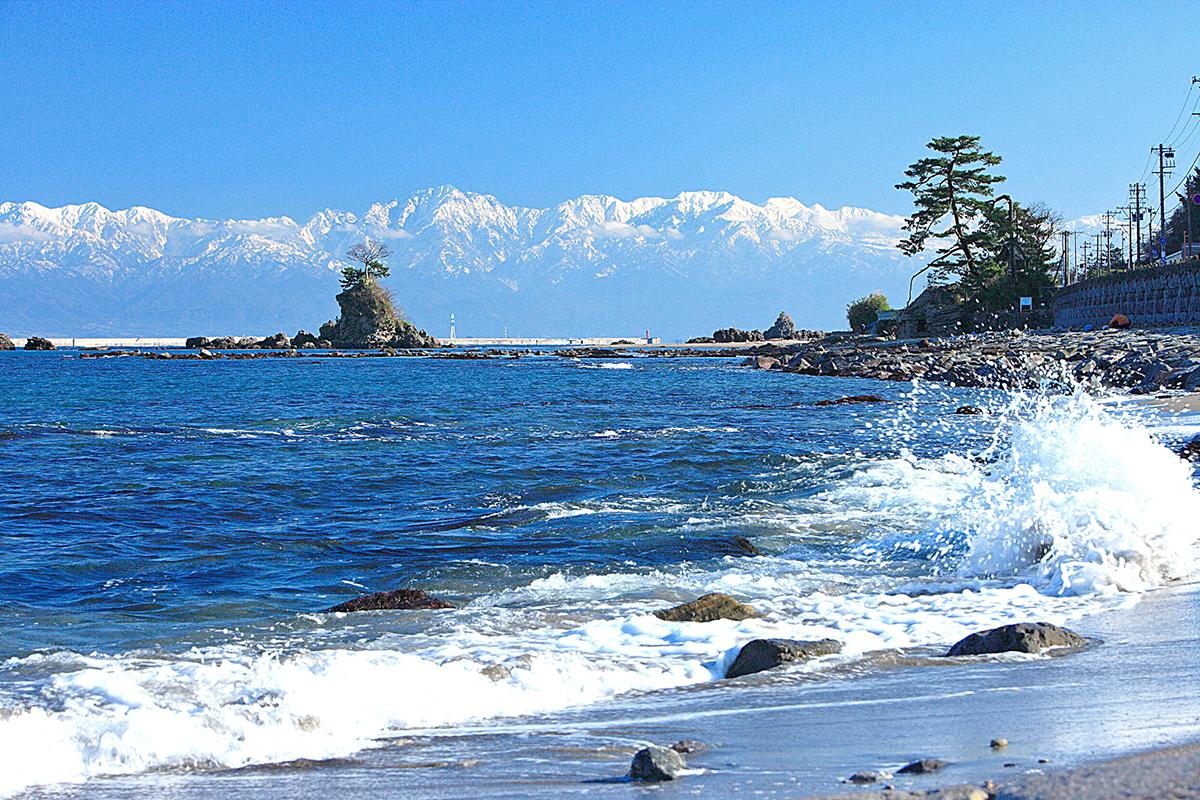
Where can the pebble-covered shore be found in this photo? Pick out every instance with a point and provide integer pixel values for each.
(1135, 360)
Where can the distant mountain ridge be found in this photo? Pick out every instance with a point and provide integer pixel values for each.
(593, 265)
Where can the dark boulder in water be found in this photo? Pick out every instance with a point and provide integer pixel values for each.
(708, 608)
(739, 545)
(6, 343)
(656, 763)
(689, 746)
(1191, 450)
(762, 362)
(853, 400)
(397, 600)
(764, 654)
(38, 343)
(923, 767)
(969, 410)
(1023, 637)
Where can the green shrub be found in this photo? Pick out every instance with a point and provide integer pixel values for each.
(864, 311)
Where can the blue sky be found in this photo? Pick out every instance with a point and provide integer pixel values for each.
(256, 109)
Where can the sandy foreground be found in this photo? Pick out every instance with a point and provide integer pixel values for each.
(787, 735)
(1168, 773)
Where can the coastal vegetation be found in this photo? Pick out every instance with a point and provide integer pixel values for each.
(865, 311)
(989, 250)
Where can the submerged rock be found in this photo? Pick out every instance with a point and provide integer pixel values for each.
(762, 362)
(1191, 450)
(858, 398)
(870, 776)
(6, 343)
(1024, 637)
(689, 746)
(38, 343)
(764, 654)
(397, 600)
(969, 410)
(922, 767)
(708, 608)
(739, 545)
(656, 763)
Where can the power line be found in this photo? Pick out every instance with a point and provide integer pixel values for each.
(1183, 108)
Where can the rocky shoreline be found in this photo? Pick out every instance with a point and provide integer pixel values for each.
(1140, 361)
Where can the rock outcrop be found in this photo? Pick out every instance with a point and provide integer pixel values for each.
(726, 335)
(654, 764)
(708, 608)
(1137, 360)
(369, 319)
(6, 343)
(303, 338)
(279, 341)
(764, 654)
(1024, 637)
(38, 343)
(397, 600)
(783, 328)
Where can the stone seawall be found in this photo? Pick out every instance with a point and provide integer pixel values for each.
(1155, 297)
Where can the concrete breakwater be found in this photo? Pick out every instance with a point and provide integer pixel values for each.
(1162, 296)
(1141, 361)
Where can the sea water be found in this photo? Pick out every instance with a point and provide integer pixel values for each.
(173, 531)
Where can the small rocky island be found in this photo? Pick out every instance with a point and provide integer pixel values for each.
(368, 316)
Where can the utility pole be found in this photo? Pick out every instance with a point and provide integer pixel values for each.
(1128, 211)
(1066, 254)
(1106, 261)
(1150, 236)
(1086, 261)
(1166, 163)
(1189, 198)
(1137, 192)
(1075, 251)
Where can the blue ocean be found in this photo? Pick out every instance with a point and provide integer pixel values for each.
(174, 532)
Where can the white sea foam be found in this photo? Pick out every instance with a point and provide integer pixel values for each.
(1069, 511)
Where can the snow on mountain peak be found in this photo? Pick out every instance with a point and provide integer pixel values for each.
(694, 242)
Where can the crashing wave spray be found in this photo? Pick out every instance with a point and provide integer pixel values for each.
(1087, 498)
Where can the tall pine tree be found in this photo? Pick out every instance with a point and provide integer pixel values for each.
(951, 191)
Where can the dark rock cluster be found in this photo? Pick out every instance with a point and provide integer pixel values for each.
(6, 343)
(368, 320)
(38, 343)
(1137, 360)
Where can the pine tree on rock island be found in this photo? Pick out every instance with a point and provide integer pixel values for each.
(369, 317)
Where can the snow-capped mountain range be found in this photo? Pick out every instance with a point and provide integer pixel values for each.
(591, 266)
